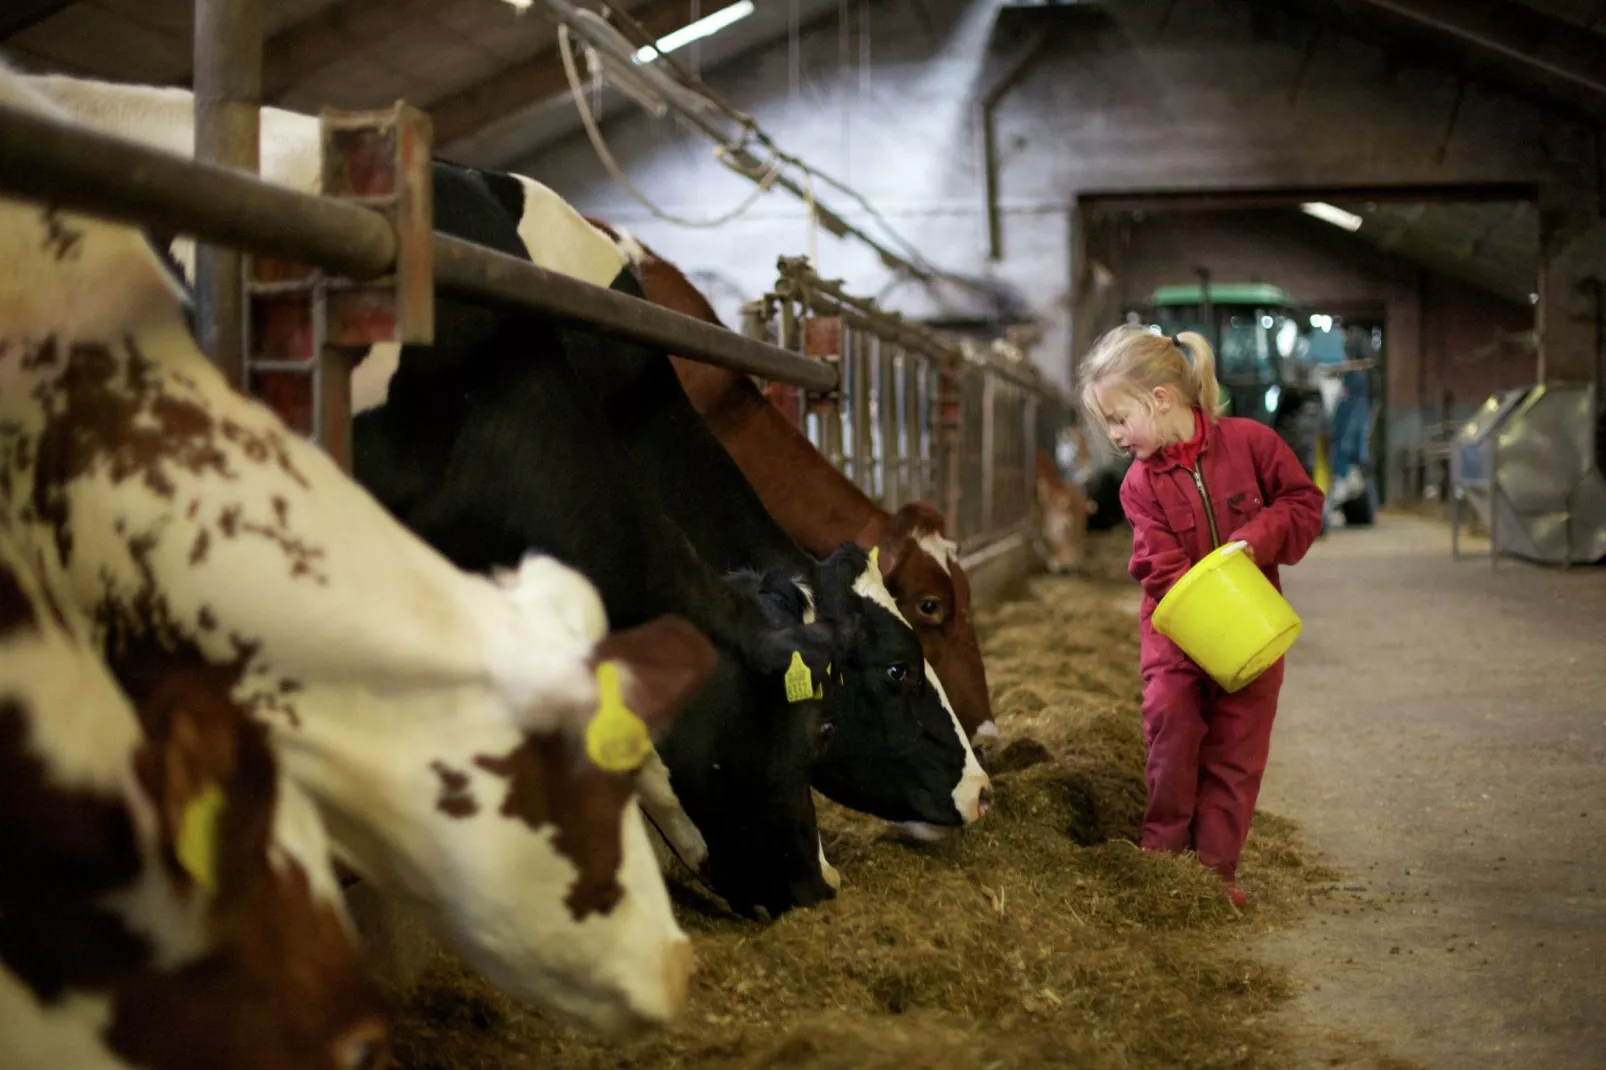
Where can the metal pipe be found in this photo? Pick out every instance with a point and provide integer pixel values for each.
(228, 99)
(82, 170)
(51, 162)
(987, 150)
(477, 273)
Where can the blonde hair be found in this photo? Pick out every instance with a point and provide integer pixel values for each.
(1136, 360)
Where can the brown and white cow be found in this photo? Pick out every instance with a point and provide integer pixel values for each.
(821, 508)
(166, 896)
(1061, 521)
(443, 723)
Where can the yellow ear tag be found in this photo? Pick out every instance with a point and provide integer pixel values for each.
(875, 558)
(800, 685)
(616, 739)
(197, 836)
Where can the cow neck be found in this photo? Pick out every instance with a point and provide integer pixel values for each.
(817, 505)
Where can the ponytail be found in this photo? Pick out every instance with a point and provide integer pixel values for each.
(1201, 361)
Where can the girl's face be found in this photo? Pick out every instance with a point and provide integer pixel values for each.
(1131, 423)
(1141, 427)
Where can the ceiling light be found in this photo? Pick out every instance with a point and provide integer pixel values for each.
(696, 31)
(1336, 216)
(522, 5)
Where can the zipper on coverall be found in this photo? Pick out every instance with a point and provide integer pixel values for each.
(1210, 511)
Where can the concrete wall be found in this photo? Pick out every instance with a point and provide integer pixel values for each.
(1160, 96)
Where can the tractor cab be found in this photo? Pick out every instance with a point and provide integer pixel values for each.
(1260, 346)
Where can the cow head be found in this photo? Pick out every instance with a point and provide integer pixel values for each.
(283, 974)
(160, 879)
(741, 771)
(895, 748)
(920, 566)
(1063, 513)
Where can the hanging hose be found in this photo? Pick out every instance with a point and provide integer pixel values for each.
(576, 88)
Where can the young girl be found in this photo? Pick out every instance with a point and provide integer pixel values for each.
(1198, 481)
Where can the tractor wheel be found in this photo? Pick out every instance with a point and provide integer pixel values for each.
(1299, 420)
(1361, 511)
(1104, 490)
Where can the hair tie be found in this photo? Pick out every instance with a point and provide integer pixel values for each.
(1187, 354)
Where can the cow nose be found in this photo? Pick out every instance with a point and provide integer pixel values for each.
(984, 801)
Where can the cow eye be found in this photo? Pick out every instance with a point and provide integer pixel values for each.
(897, 672)
(930, 607)
(827, 730)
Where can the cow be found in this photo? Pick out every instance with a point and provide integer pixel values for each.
(545, 227)
(890, 715)
(166, 896)
(821, 508)
(451, 728)
(1061, 521)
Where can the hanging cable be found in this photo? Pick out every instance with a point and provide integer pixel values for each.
(765, 181)
(691, 98)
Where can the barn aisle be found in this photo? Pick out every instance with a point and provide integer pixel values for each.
(1443, 741)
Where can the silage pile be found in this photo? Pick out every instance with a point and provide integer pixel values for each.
(1040, 937)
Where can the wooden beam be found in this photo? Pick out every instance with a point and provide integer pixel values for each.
(18, 15)
(303, 49)
(531, 81)
(1569, 56)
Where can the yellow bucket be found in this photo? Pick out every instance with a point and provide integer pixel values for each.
(1225, 614)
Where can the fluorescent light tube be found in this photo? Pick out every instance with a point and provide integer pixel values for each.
(1336, 216)
(703, 27)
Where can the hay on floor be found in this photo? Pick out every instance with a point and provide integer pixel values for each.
(1041, 937)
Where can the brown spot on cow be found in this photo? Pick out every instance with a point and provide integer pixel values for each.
(112, 413)
(550, 782)
(203, 541)
(206, 619)
(16, 611)
(73, 848)
(61, 241)
(455, 800)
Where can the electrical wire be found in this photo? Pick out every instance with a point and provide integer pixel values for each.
(766, 181)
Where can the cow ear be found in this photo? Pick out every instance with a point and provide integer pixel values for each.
(662, 664)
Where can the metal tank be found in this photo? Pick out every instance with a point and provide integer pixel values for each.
(1527, 465)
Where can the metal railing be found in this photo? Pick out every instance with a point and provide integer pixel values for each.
(917, 416)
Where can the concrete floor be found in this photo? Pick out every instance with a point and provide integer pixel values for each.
(1442, 740)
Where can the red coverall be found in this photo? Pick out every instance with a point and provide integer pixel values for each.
(1208, 748)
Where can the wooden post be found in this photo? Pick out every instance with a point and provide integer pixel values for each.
(228, 96)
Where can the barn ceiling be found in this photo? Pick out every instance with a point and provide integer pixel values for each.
(490, 77)
(1492, 245)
